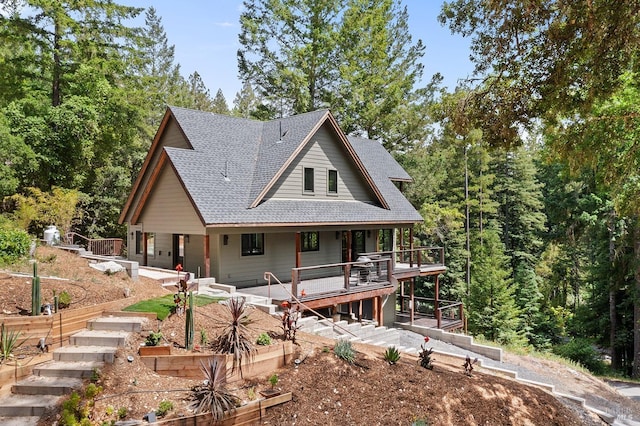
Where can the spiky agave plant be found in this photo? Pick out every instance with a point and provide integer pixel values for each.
(234, 339)
(212, 396)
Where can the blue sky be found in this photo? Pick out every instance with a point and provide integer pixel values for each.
(205, 35)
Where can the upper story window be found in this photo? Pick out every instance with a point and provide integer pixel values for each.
(308, 184)
(252, 244)
(310, 241)
(332, 182)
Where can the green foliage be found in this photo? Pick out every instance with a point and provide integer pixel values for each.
(263, 339)
(164, 305)
(38, 209)
(75, 411)
(14, 245)
(344, 350)
(92, 390)
(8, 342)
(392, 355)
(581, 351)
(64, 299)
(164, 407)
(234, 337)
(204, 339)
(153, 338)
(273, 380)
(122, 413)
(212, 396)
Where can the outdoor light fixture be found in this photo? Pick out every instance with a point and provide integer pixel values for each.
(186, 238)
(337, 235)
(225, 239)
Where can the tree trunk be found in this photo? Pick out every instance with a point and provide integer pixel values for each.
(636, 304)
(55, 89)
(616, 358)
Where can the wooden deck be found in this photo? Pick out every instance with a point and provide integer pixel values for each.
(431, 322)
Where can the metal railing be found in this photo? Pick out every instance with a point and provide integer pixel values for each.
(447, 311)
(311, 281)
(415, 257)
(97, 246)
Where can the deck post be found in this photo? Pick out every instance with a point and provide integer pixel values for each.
(294, 282)
(411, 247)
(349, 252)
(298, 250)
(347, 274)
(438, 319)
(412, 301)
(374, 305)
(436, 303)
(207, 256)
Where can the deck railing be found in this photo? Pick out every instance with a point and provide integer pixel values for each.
(98, 246)
(415, 257)
(311, 281)
(447, 310)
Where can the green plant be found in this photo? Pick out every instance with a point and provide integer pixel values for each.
(204, 339)
(581, 351)
(164, 407)
(392, 355)
(92, 390)
(153, 338)
(251, 393)
(64, 299)
(468, 365)
(425, 355)
(8, 342)
(110, 410)
(14, 245)
(74, 411)
(95, 375)
(212, 396)
(273, 380)
(164, 305)
(344, 350)
(419, 422)
(234, 338)
(264, 339)
(122, 412)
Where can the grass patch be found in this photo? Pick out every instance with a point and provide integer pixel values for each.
(162, 306)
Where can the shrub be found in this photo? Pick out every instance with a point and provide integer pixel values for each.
(14, 245)
(425, 356)
(64, 299)
(344, 350)
(263, 339)
(273, 380)
(153, 338)
(92, 390)
(204, 339)
(581, 351)
(212, 396)
(8, 342)
(234, 338)
(122, 412)
(392, 355)
(164, 407)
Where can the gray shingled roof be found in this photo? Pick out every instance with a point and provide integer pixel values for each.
(250, 153)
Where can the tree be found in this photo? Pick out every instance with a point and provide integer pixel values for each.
(287, 52)
(219, 104)
(245, 102)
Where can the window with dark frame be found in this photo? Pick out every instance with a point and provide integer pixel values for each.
(151, 244)
(308, 179)
(386, 239)
(332, 182)
(252, 244)
(310, 241)
(138, 242)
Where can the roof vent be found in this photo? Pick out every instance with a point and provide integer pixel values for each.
(282, 135)
(226, 171)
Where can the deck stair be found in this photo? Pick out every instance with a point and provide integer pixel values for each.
(355, 331)
(89, 350)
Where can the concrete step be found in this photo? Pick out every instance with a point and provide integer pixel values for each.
(130, 324)
(85, 353)
(99, 338)
(26, 405)
(79, 369)
(324, 331)
(42, 385)
(20, 421)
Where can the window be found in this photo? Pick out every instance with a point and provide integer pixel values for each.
(151, 244)
(138, 242)
(332, 182)
(252, 244)
(308, 179)
(310, 241)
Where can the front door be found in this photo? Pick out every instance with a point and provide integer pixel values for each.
(358, 245)
(178, 249)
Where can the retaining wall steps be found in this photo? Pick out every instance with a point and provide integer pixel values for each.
(89, 350)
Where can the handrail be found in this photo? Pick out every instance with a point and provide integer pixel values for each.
(99, 246)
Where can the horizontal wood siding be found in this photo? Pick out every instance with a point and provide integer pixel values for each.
(168, 208)
(324, 152)
(172, 136)
(163, 253)
(194, 255)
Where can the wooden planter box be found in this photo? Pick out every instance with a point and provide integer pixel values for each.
(249, 414)
(154, 350)
(266, 360)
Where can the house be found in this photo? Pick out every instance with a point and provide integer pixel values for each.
(233, 198)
